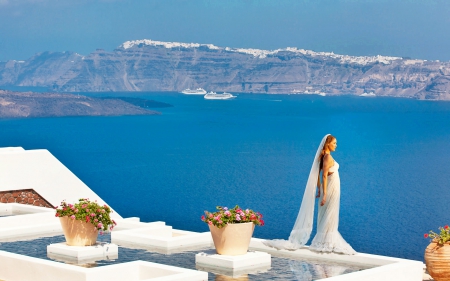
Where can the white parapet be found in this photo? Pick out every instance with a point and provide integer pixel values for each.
(29, 226)
(78, 254)
(13, 209)
(44, 173)
(234, 266)
(14, 267)
(161, 238)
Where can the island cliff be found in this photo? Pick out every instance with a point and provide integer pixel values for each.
(146, 65)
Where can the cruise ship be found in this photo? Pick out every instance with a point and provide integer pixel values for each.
(198, 91)
(371, 94)
(216, 96)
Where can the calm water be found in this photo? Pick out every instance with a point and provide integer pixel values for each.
(280, 269)
(256, 151)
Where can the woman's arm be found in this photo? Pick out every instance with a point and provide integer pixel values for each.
(327, 163)
(318, 186)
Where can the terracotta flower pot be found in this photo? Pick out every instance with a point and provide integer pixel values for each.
(78, 233)
(437, 259)
(232, 239)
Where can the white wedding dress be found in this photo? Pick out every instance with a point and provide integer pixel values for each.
(328, 238)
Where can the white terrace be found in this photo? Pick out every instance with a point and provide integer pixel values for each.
(33, 181)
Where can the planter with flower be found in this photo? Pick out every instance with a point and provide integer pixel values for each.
(232, 229)
(437, 254)
(82, 221)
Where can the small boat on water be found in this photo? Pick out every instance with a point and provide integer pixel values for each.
(371, 94)
(216, 96)
(198, 91)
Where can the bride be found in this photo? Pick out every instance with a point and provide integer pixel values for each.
(328, 238)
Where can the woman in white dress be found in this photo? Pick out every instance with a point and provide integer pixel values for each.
(328, 238)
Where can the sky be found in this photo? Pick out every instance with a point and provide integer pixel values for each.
(404, 28)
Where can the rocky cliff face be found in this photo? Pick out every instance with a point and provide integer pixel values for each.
(146, 65)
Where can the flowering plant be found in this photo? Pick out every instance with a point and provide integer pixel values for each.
(224, 216)
(440, 238)
(88, 211)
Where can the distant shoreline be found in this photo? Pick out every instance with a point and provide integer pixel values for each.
(46, 104)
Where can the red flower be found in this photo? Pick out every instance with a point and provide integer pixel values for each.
(57, 215)
(446, 227)
(203, 218)
(261, 222)
(425, 235)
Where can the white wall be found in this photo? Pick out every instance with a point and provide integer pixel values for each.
(41, 171)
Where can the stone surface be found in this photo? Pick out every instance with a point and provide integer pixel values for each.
(98, 251)
(250, 259)
(25, 196)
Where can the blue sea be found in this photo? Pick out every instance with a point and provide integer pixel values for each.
(256, 151)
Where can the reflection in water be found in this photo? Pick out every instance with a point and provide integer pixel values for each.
(308, 271)
(228, 278)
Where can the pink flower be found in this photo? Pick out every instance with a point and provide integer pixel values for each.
(76, 211)
(92, 215)
(238, 218)
(210, 216)
(252, 217)
(72, 217)
(203, 218)
(96, 220)
(247, 211)
(220, 222)
(83, 206)
(114, 222)
(227, 213)
(100, 225)
(210, 222)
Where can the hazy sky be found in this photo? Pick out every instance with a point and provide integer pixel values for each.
(413, 28)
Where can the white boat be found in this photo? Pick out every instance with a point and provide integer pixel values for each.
(371, 94)
(216, 96)
(314, 93)
(198, 91)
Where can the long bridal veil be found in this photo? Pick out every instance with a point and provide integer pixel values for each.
(303, 225)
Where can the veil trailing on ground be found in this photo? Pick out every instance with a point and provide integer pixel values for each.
(303, 225)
